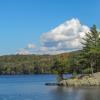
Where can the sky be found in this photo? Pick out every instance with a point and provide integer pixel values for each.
(45, 26)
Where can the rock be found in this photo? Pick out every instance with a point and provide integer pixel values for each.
(84, 81)
(64, 83)
(53, 84)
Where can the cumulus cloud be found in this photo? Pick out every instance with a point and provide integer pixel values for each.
(65, 37)
(23, 52)
(30, 46)
(27, 50)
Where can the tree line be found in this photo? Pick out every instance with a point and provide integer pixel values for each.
(28, 64)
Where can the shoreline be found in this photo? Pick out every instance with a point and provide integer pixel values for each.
(84, 81)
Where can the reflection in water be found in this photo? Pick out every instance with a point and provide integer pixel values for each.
(63, 93)
(59, 94)
(91, 94)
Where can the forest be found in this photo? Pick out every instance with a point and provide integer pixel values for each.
(86, 60)
(29, 64)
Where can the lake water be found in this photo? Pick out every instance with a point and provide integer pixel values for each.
(31, 87)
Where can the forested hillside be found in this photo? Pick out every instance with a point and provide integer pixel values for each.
(29, 64)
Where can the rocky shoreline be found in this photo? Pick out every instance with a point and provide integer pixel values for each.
(80, 82)
(84, 81)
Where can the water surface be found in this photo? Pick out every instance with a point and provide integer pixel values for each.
(31, 87)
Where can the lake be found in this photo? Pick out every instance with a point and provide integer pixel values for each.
(31, 87)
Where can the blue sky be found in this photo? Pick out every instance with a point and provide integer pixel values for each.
(24, 21)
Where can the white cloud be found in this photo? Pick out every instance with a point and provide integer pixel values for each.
(31, 46)
(23, 52)
(27, 50)
(43, 49)
(65, 37)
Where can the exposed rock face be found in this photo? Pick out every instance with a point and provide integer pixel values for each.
(84, 81)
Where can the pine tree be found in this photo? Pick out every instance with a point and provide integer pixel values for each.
(91, 48)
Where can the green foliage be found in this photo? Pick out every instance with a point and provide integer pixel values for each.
(25, 64)
(87, 71)
(60, 66)
(29, 64)
(74, 74)
(90, 54)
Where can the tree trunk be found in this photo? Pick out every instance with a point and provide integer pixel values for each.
(92, 68)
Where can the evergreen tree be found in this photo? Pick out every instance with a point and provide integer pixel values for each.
(59, 68)
(91, 48)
